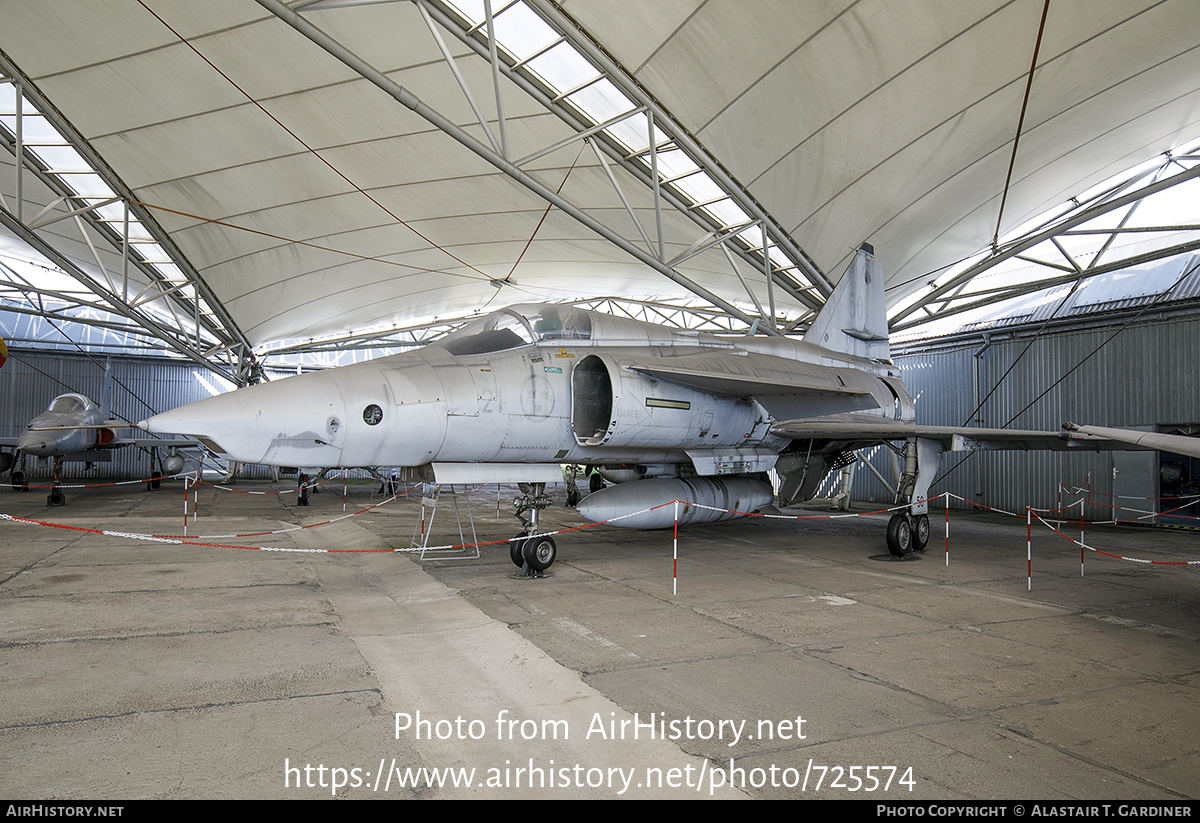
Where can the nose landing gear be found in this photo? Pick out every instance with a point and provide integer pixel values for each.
(532, 554)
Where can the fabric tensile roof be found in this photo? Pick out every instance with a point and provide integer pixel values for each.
(309, 201)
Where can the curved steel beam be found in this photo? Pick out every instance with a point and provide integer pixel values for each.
(435, 118)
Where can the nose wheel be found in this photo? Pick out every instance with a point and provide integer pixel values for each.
(532, 554)
(539, 553)
(56, 496)
(516, 550)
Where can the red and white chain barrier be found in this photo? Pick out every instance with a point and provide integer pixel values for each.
(1030, 514)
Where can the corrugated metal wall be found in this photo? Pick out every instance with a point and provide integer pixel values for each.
(134, 389)
(1144, 376)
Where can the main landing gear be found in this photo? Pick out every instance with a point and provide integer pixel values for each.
(532, 554)
(908, 529)
(907, 533)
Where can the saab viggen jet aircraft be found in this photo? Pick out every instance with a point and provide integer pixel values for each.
(664, 413)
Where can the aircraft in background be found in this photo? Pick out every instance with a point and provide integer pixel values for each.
(73, 428)
(663, 413)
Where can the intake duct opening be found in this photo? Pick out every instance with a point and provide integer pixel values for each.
(591, 400)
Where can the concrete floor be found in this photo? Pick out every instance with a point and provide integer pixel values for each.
(140, 669)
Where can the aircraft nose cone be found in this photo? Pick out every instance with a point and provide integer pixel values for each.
(290, 422)
(215, 420)
(37, 444)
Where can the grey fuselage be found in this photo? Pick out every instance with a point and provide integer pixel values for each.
(581, 392)
(70, 425)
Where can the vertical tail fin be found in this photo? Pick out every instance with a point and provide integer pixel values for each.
(106, 395)
(854, 319)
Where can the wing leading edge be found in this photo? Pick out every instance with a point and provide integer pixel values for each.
(953, 438)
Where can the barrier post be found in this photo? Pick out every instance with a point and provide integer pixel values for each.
(675, 553)
(946, 496)
(1081, 541)
(1029, 547)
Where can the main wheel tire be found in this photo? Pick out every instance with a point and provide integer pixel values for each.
(18, 482)
(155, 481)
(920, 532)
(595, 483)
(899, 535)
(539, 553)
(516, 546)
(56, 498)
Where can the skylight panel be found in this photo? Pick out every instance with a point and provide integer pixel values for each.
(153, 253)
(563, 68)
(471, 10)
(632, 133)
(61, 159)
(779, 259)
(169, 271)
(521, 32)
(601, 101)
(727, 212)
(700, 188)
(35, 129)
(87, 184)
(1182, 207)
(673, 163)
(113, 215)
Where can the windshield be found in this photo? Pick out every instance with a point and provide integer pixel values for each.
(498, 331)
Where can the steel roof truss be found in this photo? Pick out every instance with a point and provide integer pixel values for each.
(434, 117)
(216, 322)
(1128, 193)
(641, 169)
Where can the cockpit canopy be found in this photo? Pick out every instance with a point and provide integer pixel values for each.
(518, 326)
(70, 403)
(528, 323)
